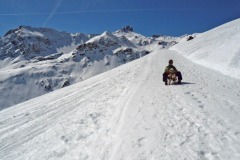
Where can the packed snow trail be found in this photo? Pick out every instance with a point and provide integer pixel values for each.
(128, 113)
(196, 120)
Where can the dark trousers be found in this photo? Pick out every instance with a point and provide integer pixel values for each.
(178, 74)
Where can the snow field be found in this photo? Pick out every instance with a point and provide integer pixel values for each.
(217, 49)
(189, 121)
(128, 113)
(64, 123)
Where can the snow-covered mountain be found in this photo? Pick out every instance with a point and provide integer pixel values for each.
(31, 42)
(35, 61)
(125, 113)
(30, 64)
(136, 38)
(218, 48)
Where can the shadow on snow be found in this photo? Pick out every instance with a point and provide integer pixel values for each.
(184, 83)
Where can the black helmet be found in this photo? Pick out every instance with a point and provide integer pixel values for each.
(170, 61)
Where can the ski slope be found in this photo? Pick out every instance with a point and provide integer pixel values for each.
(129, 114)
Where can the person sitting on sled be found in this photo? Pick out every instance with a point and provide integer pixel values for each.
(170, 69)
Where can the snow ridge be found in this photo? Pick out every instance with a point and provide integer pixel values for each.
(217, 49)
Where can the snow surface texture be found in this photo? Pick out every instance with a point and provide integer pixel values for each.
(218, 49)
(128, 113)
(35, 61)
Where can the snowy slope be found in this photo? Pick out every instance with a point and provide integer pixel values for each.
(30, 63)
(37, 61)
(218, 49)
(127, 113)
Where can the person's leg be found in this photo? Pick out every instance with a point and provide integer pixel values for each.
(165, 75)
(179, 75)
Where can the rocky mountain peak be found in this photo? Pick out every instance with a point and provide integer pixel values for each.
(16, 30)
(127, 29)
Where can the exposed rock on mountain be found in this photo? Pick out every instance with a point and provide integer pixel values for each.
(127, 29)
(35, 61)
(31, 42)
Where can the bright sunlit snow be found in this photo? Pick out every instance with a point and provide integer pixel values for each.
(218, 49)
(128, 113)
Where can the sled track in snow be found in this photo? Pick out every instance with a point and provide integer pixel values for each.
(128, 113)
(180, 121)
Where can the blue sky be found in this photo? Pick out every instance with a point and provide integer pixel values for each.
(148, 17)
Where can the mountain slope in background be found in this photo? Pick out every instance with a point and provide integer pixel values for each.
(218, 48)
(35, 61)
(31, 42)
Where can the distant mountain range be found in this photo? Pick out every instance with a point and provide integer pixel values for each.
(35, 61)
